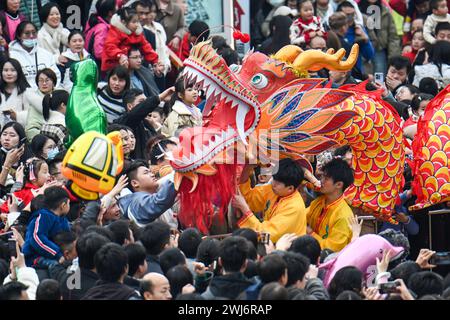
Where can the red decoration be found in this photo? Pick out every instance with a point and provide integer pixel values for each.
(245, 37)
(237, 35)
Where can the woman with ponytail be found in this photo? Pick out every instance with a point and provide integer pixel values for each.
(52, 113)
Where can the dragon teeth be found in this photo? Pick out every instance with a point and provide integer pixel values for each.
(240, 121)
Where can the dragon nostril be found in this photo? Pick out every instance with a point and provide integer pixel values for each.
(213, 139)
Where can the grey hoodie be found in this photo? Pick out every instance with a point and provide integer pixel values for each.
(144, 207)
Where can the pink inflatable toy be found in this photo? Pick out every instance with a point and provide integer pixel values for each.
(362, 254)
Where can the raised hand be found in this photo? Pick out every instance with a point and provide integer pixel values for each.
(355, 226)
(284, 243)
(382, 265)
(423, 257)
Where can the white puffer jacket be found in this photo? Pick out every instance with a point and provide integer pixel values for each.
(33, 61)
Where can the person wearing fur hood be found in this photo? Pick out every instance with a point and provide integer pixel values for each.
(124, 32)
(53, 37)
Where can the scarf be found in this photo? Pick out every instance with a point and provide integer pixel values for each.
(58, 37)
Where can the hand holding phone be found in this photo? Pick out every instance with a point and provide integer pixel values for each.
(388, 287)
(22, 142)
(379, 77)
(440, 258)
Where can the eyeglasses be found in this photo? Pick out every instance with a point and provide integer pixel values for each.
(44, 80)
(136, 58)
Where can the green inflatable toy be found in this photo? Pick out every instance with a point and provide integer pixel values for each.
(83, 112)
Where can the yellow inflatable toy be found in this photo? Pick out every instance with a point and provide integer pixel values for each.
(92, 163)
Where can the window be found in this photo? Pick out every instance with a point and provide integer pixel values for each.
(96, 156)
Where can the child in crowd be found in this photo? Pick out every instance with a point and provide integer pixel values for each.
(184, 112)
(35, 176)
(198, 31)
(418, 105)
(417, 43)
(417, 24)
(307, 26)
(39, 249)
(440, 14)
(125, 31)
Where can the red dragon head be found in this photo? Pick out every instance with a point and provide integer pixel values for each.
(264, 93)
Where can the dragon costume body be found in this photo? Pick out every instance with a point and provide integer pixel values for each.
(431, 149)
(269, 105)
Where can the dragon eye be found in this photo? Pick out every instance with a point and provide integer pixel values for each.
(259, 81)
(235, 68)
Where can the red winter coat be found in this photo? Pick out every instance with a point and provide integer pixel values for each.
(119, 41)
(26, 195)
(185, 47)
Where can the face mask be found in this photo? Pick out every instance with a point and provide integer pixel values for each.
(52, 153)
(276, 3)
(29, 43)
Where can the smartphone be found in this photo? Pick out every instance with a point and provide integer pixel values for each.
(213, 266)
(388, 287)
(440, 258)
(264, 237)
(12, 248)
(379, 77)
(22, 141)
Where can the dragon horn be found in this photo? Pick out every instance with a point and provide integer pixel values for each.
(288, 53)
(314, 60)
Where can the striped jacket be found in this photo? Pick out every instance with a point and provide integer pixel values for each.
(44, 226)
(112, 105)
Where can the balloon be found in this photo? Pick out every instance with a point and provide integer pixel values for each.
(92, 163)
(83, 112)
(361, 253)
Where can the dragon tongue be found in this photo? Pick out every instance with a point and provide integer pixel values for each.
(240, 121)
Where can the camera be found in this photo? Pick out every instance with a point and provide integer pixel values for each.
(264, 237)
(440, 258)
(388, 287)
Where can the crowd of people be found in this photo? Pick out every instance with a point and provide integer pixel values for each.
(129, 244)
